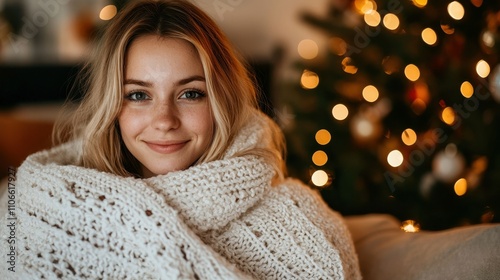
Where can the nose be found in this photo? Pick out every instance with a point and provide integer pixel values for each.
(166, 117)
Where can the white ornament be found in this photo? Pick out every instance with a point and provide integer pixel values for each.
(495, 83)
(448, 165)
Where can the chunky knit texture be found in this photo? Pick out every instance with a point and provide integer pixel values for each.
(218, 220)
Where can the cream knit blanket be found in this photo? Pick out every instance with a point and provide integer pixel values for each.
(219, 220)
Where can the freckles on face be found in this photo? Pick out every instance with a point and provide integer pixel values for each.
(165, 121)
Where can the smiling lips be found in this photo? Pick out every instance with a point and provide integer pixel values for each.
(166, 147)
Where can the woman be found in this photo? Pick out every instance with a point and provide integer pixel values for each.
(170, 171)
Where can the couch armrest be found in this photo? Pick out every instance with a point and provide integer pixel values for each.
(386, 252)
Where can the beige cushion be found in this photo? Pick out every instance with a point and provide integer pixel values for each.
(386, 252)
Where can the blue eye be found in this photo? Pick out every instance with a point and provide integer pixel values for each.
(192, 94)
(137, 96)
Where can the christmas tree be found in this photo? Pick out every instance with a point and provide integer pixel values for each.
(400, 114)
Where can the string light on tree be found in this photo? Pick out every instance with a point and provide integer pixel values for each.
(420, 3)
(419, 97)
(447, 29)
(370, 93)
(320, 158)
(410, 226)
(323, 137)
(409, 137)
(108, 12)
(309, 79)
(348, 67)
(466, 89)
(477, 3)
(482, 68)
(435, 68)
(340, 112)
(395, 158)
(412, 72)
(391, 21)
(429, 36)
(372, 18)
(308, 49)
(460, 187)
(365, 6)
(456, 10)
(448, 116)
(320, 178)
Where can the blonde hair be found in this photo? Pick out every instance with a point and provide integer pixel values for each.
(231, 90)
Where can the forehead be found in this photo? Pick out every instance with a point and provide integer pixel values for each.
(153, 55)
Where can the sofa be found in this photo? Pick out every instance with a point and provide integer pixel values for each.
(384, 250)
(387, 252)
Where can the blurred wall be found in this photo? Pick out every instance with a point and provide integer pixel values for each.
(56, 34)
(57, 30)
(47, 31)
(258, 27)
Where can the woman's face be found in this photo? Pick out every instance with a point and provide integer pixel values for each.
(165, 121)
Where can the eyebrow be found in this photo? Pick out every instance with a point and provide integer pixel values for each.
(178, 83)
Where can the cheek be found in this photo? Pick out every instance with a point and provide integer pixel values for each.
(129, 123)
(204, 125)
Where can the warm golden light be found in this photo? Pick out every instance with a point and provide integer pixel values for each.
(409, 137)
(467, 89)
(420, 3)
(348, 67)
(308, 49)
(320, 158)
(368, 7)
(370, 93)
(447, 29)
(429, 36)
(477, 3)
(418, 106)
(395, 158)
(319, 178)
(372, 18)
(340, 112)
(412, 72)
(410, 226)
(456, 10)
(309, 79)
(323, 137)
(338, 46)
(391, 21)
(422, 91)
(460, 187)
(359, 4)
(108, 12)
(483, 68)
(365, 6)
(448, 116)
